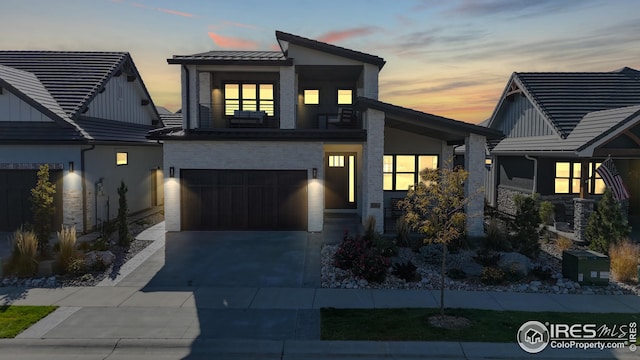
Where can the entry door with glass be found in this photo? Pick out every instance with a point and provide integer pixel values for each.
(340, 181)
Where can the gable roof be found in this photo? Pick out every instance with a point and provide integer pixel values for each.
(73, 78)
(565, 98)
(425, 123)
(328, 48)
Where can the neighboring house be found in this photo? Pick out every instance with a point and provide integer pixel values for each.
(86, 114)
(559, 127)
(277, 139)
(168, 118)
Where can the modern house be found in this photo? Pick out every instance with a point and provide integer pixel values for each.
(86, 115)
(559, 127)
(278, 139)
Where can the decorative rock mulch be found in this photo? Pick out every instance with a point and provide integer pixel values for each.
(91, 278)
(429, 274)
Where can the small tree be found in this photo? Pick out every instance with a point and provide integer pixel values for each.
(435, 209)
(606, 225)
(527, 225)
(42, 208)
(124, 238)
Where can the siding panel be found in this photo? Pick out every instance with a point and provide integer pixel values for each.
(519, 118)
(121, 101)
(12, 108)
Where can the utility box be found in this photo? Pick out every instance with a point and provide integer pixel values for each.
(586, 267)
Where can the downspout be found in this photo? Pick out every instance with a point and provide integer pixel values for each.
(535, 173)
(185, 109)
(84, 188)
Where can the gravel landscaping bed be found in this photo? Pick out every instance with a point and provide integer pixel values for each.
(92, 277)
(429, 275)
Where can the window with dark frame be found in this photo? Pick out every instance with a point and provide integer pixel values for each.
(122, 158)
(567, 178)
(249, 97)
(400, 172)
(311, 96)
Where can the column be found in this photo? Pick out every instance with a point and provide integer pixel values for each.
(474, 187)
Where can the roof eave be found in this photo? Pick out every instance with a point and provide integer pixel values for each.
(284, 62)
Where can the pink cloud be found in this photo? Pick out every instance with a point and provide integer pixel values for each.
(335, 36)
(227, 23)
(174, 12)
(231, 42)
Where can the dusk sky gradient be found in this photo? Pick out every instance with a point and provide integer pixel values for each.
(449, 58)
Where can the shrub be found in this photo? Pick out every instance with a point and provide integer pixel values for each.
(23, 261)
(606, 224)
(43, 208)
(496, 238)
(405, 271)
(546, 212)
(371, 266)
(349, 250)
(542, 273)
(386, 247)
(563, 243)
(124, 238)
(402, 232)
(526, 225)
(492, 276)
(67, 245)
(624, 261)
(77, 266)
(456, 274)
(487, 258)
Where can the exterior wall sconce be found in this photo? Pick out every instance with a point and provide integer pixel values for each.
(144, 102)
(488, 162)
(314, 173)
(172, 172)
(71, 169)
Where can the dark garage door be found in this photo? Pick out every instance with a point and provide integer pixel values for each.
(244, 200)
(15, 191)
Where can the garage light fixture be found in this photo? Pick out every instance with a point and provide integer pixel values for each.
(172, 172)
(488, 161)
(71, 169)
(314, 173)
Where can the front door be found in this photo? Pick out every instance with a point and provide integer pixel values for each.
(340, 181)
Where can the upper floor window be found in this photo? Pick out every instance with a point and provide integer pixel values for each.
(312, 97)
(403, 171)
(567, 178)
(249, 97)
(345, 97)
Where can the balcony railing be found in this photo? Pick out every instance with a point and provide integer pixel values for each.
(212, 116)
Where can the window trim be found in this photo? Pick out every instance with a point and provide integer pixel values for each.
(304, 96)
(257, 100)
(592, 179)
(394, 172)
(338, 97)
(126, 158)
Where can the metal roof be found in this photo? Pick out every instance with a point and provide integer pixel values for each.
(257, 134)
(110, 130)
(565, 98)
(26, 131)
(434, 125)
(233, 58)
(329, 48)
(171, 119)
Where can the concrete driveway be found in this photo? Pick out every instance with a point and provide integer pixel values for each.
(237, 259)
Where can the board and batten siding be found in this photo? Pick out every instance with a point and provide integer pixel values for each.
(121, 100)
(519, 118)
(12, 108)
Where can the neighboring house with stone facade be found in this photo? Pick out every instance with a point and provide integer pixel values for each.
(559, 127)
(86, 115)
(280, 139)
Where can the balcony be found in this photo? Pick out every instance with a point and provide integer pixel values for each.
(212, 116)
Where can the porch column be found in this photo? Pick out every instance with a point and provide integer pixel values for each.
(370, 81)
(446, 154)
(373, 152)
(287, 97)
(584, 178)
(193, 96)
(474, 164)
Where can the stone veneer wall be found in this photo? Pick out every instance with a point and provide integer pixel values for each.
(582, 210)
(505, 201)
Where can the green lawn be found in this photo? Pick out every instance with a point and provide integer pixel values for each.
(15, 319)
(411, 324)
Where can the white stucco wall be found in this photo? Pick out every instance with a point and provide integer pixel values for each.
(100, 163)
(243, 155)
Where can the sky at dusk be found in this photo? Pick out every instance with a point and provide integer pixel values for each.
(450, 58)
